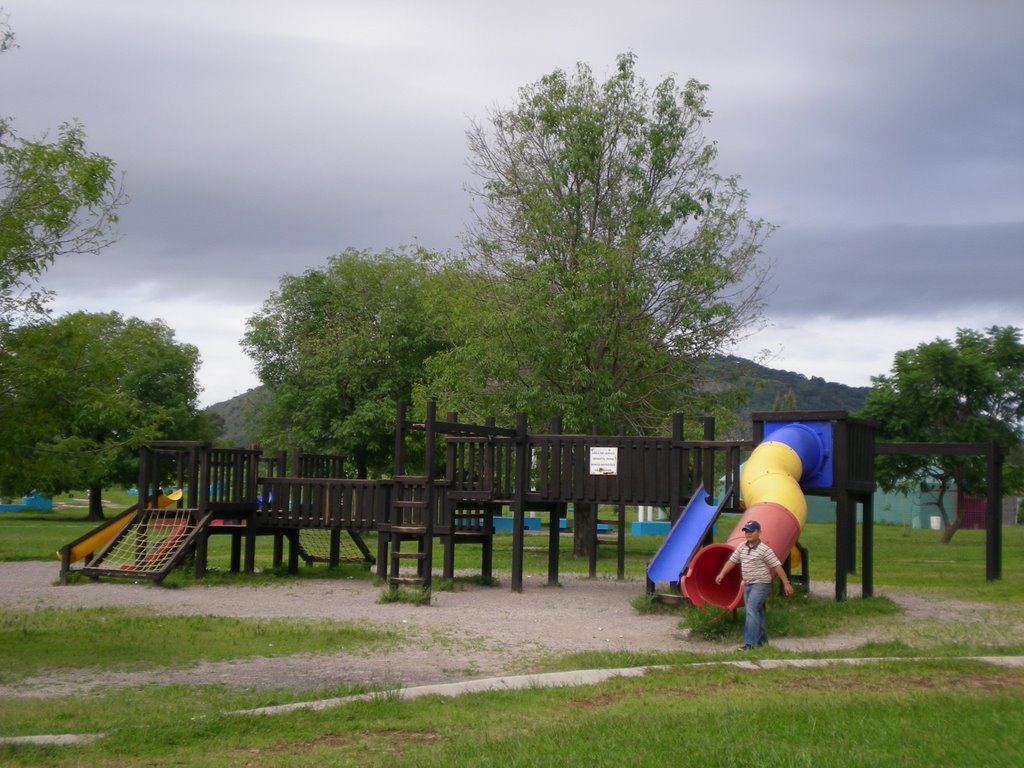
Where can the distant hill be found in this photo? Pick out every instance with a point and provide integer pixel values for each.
(767, 389)
(770, 389)
(237, 415)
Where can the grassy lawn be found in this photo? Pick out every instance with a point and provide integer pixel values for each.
(901, 712)
(124, 639)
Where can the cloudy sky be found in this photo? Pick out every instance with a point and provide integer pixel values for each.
(884, 139)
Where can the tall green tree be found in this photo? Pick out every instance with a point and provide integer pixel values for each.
(337, 347)
(86, 391)
(612, 257)
(56, 199)
(967, 390)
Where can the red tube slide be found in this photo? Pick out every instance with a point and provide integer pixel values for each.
(770, 487)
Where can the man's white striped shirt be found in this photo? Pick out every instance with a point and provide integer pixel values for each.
(756, 563)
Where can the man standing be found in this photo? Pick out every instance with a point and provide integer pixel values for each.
(757, 563)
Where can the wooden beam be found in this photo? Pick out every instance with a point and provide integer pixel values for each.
(935, 449)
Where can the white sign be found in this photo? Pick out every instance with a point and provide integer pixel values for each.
(604, 460)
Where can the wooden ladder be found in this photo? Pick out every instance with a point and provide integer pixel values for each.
(410, 524)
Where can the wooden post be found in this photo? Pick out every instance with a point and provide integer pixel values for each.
(519, 500)
(867, 578)
(708, 480)
(426, 546)
(557, 514)
(447, 508)
(678, 470)
(620, 543)
(994, 513)
(709, 473)
(400, 438)
(841, 471)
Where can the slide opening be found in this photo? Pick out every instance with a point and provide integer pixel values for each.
(699, 583)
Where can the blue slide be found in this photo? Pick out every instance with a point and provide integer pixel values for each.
(684, 539)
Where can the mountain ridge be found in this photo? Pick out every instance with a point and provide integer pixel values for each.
(767, 389)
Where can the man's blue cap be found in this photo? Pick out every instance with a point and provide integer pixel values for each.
(751, 525)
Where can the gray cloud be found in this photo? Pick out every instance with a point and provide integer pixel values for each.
(259, 138)
(908, 271)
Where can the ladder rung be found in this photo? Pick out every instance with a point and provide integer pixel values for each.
(408, 555)
(421, 529)
(410, 503)
(405, 580)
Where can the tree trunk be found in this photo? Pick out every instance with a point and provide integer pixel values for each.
(952, 528)
(582, 529)
(95, 503)
(948, 528)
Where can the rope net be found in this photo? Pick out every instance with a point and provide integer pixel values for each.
(315, 547)
(152, 542)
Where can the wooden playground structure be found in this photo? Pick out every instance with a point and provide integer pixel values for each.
(304, 500)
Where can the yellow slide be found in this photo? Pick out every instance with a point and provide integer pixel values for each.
(97, 539)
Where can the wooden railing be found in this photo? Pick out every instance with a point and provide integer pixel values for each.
(295, 502)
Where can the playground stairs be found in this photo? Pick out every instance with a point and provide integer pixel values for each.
(396, 576)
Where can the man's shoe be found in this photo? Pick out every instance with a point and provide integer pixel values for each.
(744, 648)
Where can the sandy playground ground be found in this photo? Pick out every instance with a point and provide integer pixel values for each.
(470, 633)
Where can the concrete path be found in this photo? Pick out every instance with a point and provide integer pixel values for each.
(510, 683)
(519, 682)
(592, 676)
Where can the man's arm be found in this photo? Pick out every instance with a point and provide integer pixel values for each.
(729, 565)
(781, 573)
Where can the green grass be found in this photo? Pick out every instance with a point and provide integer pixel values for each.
(916, 559)
(945, 711)
(131, 639)
(408, 595)
(797, 616)
(25, 536)
(900, 713)
(38, 534)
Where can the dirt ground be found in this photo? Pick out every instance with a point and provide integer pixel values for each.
(471, 633)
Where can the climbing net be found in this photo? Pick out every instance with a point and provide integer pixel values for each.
(152, 542)
(315, 547)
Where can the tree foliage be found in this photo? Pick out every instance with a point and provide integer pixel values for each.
(610, 256)
(968, 390)
(85, 392)
(337, 346)
(56, 198)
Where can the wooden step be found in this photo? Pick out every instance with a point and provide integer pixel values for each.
(408, 555)
(409, 529)
(405, 580)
